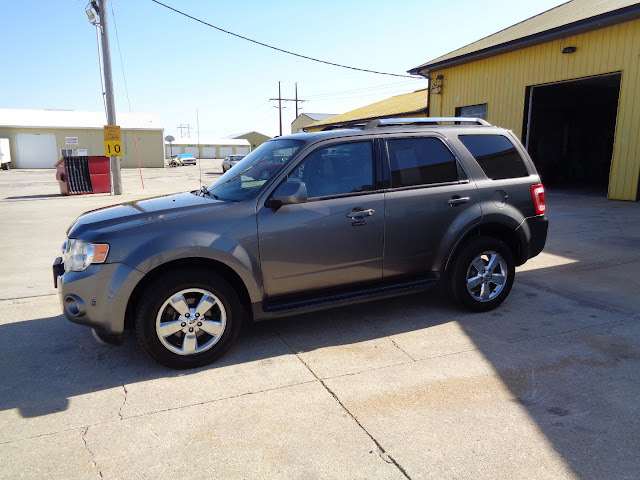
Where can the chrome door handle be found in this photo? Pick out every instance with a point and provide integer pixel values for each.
(360, 213)
(457, 200)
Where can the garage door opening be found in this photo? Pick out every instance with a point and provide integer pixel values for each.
(570, 128)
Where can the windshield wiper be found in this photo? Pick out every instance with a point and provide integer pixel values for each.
(204, 191)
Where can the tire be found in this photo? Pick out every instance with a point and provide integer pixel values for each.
(482, 274)
(188, 318)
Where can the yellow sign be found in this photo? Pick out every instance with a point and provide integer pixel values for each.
(112, 143)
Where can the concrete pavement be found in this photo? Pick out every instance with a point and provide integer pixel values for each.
(546, 386)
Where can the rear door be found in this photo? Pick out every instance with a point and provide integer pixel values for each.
(429, 205)
(336, 237)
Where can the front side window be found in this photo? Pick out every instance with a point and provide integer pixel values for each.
(337, 170)
(496, 155)
(252, 172)
(420, 161)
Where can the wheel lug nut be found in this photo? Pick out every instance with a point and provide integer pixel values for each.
(183, 324)
(197, 315)
(187, 315)
(199, 324)
(191, 330)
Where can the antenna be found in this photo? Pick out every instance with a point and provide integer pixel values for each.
(199, 150)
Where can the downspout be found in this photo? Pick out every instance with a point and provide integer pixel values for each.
(428, 77)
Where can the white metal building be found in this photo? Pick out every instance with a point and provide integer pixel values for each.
(39, 138)
(208, 147)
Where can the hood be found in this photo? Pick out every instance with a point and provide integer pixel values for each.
(140, 212)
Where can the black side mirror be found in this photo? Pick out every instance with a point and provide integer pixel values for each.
(288, 193)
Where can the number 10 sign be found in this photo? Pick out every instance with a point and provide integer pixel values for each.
(112, 143)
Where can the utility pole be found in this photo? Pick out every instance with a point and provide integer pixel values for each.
(101, 10)
(296, 100)
(181, 127)
(280, 107)
(280, 100)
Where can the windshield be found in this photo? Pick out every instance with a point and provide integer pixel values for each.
(248, 176)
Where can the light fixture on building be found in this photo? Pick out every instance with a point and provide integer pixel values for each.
(436, 86)
(569, 49)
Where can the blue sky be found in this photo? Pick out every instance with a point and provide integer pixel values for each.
(167, 64)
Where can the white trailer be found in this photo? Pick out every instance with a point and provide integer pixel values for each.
(5, 153)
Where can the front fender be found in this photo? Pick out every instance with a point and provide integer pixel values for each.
(241, 257)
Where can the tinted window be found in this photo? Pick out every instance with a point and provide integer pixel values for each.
(420, 161)
(496, 155)
(336, 170)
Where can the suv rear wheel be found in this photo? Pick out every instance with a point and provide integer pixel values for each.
(188, 318)
(482, 274)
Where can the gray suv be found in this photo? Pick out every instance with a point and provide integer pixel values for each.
(304, 222)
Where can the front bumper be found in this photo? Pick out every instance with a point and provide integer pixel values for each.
(98, 296)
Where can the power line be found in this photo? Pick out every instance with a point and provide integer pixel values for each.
(364, 92)
(280, 49)
(124, 77)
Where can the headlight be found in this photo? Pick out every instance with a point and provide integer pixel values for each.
(78, 254)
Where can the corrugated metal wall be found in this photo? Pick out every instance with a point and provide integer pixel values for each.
(501, 82)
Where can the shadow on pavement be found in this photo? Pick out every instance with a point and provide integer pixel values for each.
(35, 197)
(49, 360)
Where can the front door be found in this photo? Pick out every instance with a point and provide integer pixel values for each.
(336, 237)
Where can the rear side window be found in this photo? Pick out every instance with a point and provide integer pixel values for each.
(496, 155)
(420, 161)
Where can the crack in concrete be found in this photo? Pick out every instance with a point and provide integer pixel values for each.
(231, 397)
(91, 455)
(401, 349)
(124, 402)
(393, 342)
(384, 455)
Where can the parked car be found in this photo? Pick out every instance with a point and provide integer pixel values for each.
(343, 216)
(182, 159)
(230, 161)
(186, 159)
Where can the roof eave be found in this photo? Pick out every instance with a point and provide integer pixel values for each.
(605, 20)
(365, 119)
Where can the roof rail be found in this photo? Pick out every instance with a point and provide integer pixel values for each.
(389, 122)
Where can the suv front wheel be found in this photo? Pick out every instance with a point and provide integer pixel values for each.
(188, 318)
(482, 274)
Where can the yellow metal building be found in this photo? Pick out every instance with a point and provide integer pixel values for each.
(566, 81)
(407, 105)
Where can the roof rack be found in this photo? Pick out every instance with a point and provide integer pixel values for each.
(390, 122)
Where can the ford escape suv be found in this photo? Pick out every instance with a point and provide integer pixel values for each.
(304, 222)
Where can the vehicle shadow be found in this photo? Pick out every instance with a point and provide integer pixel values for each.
(46, 361)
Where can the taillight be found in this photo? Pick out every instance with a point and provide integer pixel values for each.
(537, 192)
